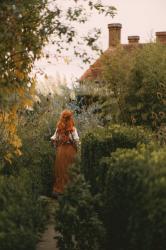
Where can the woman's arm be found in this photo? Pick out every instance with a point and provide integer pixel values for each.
(76, 139)
(75, 135)
(53, 138)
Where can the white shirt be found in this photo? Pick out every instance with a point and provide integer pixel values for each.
(73, 135)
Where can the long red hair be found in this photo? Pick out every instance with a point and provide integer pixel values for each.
(65, 125)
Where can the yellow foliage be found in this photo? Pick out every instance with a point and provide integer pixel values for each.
(9, 117)
(14, 109)
(18, 152)
(4, 117)
(21, 91)
(16, 142)
(17, 60)
(9, 124)
(8, 157)
(19, 74)
(11, 129)
(26, 102)
(32, 90)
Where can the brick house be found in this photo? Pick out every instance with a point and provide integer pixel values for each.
(114, 40)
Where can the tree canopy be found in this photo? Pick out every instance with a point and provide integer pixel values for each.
(25, 28)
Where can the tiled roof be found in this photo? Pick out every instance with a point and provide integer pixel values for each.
(94, 70)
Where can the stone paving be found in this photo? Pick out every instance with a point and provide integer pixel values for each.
(48, 241)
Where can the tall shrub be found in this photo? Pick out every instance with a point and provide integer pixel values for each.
(136, 81)
(103, 142)
(145, 101)
(134, 200)
(22, 214)
(76, 218)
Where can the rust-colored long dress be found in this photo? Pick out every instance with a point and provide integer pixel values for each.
(65, 156)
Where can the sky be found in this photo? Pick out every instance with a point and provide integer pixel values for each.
(138, 17)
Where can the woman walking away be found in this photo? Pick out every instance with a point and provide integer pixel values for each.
(65, 140)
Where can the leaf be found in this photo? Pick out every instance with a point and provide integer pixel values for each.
(8, 157)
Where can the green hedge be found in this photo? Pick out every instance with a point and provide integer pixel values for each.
(37, 152)
(103, 142)
(76, 219)
(38, 159)
(124, 206)
(22, 214)
(134, 210)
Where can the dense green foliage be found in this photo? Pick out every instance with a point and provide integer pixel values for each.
(135, 82)
(35, 127)
(126, 172)
(145, 100)
(116, 197)
(22, 214)
(103, 142)
(77, 217)
(123, 166)
(24, 31)
(25, 28)
(134, 199)
(38, 153)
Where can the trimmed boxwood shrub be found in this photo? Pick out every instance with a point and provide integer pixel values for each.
(22, 214)
(103, 142)
(134, 210)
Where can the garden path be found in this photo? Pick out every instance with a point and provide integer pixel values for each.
(48, 241)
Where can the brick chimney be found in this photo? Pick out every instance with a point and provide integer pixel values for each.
(114, 34)
(133, 39)
(161, 37)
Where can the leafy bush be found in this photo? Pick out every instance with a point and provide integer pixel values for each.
(103, 142)
(134, 200)
(136, 82)
(22, 214)
(35, 129)
(37, 156)
(116, 68)
(77, 219)
(146, 96)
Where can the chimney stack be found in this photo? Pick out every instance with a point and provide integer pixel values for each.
(161, 37)
(114, 34)
(133, 39)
